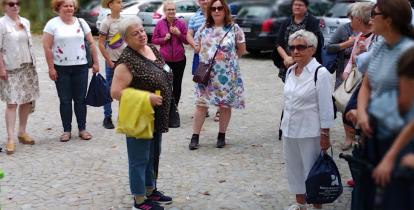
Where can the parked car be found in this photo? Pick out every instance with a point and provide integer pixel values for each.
(336, 16)
(153, 11)
(130, 8)
(90, 12)
(260, 21)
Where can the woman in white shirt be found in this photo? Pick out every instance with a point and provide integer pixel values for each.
(19, 85)
(64, 46)
(308, 113)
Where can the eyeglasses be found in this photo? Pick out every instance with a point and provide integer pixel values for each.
(299, 47)
(217, 9)
(12, 4)
(373, 13)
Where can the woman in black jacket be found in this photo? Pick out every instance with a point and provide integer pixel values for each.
(300, 19)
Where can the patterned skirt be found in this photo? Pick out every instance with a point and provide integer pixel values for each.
(21, 86)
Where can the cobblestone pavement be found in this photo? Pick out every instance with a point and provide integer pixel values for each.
(247, 174)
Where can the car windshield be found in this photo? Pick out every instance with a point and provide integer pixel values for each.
(186, 7)
(150, 7)
(259, 12)
(339, 10)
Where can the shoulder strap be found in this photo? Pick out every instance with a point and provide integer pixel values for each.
(218, 47)
(315, 77)
(81, 25)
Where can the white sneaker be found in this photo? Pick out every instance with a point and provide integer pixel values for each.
(297, 207)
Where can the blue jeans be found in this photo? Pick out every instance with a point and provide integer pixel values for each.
(109, 74)
(141, 154)
(71, 84)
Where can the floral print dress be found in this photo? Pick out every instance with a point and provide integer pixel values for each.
(225, 88)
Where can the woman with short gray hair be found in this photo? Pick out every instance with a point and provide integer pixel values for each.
(308, 113)
(141, 67)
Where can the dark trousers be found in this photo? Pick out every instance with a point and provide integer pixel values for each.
(178, 72)
(71, 85)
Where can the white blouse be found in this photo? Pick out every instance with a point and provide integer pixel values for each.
(15, 45)
(308, 107)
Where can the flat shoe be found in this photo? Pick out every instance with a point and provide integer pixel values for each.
(65, 137)
(10, 148)
(85, 135)
(26, 139)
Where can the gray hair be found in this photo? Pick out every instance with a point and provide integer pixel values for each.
(309, 37)
(168, 2)
(362, 10)
(126, 23)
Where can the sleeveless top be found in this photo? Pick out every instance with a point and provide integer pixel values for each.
(149, 75)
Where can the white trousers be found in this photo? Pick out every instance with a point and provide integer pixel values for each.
(300, 154)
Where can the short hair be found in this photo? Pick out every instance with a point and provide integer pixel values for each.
(57, 3)
(227, 15)
(362, 10)
(168, 2)
(406, 64)
(126, 23)
(309, 37)
(105, 3)
(306, 2)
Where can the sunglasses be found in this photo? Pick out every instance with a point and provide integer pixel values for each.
(12, 4)
(217, 9)
(299, 47)
(373, 13)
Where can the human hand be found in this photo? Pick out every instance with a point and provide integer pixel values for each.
(95, 68)
(345, 75)
(363, 122)
(53, 74)
(325, 142)
(408, 161)
(3, 74)
(351, 115)
(175, 30)
(288, 61)
(382, 173)
(155, 100)
(111, 64)
(167, 36)
(197, 49)
(351, 40)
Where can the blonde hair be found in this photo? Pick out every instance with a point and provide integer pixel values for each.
(57, 3)
(168, 2)
(105, 3)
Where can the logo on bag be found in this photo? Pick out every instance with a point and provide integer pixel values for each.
(335, 181)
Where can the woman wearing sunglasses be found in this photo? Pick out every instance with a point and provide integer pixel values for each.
(308, 113)
(19, 85)
(225, 88)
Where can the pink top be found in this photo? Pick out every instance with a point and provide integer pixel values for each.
(367, 42)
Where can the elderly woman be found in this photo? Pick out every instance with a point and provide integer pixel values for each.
(300, 19)
(170, 33)
(142, 67)
(308, 113)
(225, 88)
(64, 46)
(360, 21)
(391, 20)
(19, 84)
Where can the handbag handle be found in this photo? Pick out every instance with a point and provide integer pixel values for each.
(354, 85)
(218, 47)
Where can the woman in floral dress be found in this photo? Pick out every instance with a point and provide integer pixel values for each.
(225, 89)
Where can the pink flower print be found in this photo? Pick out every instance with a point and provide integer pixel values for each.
(82, 47)
(77, 31)
(60, 50)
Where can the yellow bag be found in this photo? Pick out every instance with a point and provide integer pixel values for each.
(136, 114)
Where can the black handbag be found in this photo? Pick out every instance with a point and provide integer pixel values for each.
(202, 74)
(98, 91)
(87, 47)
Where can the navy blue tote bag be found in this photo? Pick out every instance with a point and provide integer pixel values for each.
(323, 184)
(98, 91)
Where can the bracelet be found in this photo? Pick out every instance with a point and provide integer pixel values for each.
(325, 133)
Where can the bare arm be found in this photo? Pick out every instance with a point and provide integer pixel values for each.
(190, 38)
(241, 49)
(105, 54)
(47, 47)
(3, 72)
(363, 100)
(94, 52)
(121, 80)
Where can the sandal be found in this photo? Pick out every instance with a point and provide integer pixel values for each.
(26, 139)
(217, 117)
(85, 135)
(10, 148)
(65, 137)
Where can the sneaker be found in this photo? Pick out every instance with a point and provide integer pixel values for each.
(147, 205)
(159, 197)
(193, 144)
(297, 207)
(107, 123)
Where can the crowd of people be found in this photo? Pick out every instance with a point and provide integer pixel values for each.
(378, 42)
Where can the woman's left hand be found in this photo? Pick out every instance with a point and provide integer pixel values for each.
(325, 143)
(95, 68)
(175, 30)
(382, 173)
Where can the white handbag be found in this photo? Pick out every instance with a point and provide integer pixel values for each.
(344, 92)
